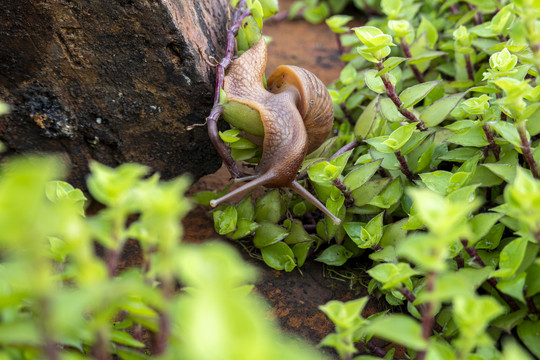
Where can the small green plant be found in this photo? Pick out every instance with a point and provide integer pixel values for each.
(59, 300)
(434, 174)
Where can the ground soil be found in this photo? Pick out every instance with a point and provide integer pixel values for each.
(294, 296)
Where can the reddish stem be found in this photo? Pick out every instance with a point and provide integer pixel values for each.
(375, 349)
(414, 68)
(405, 167)
(428, 318)
(238, 16)
(495, 149)
(526, 149)
(391, 93)
(470, 69)
(491, 281)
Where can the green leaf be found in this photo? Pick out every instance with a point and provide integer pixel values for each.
(335, 255)
(508, 131)
(230, 136)
(4, 108)
(470, 136)
(414, 94)
(124, 338)
(391, 275)
(365, 123)
(374, 82)
(268, 234)
(460, 154)
(279, 256)
(301, 251)
(365, 193)
(297, 234)
(427, 55)
(345, 315)
(528, 333)
(507, 322)
(348, 74)
(390, 63)
(431, 32)
(389, 110)
(270, 7)
(481, 224)
(400, 136)
(244, 227)
(504, 171)
(389, 196)
(435, 113)
(225, 220)
(513, 286)
(437, 180)
(511, 257)
(359, 175)
(400, 329)
(268, 208)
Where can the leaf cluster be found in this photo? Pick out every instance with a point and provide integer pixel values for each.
(60, 300)
(433, 171)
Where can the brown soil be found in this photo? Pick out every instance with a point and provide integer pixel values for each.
(294, 296)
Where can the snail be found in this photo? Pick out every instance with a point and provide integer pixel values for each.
(295, 115)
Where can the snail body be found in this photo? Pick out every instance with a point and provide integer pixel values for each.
(296, 114)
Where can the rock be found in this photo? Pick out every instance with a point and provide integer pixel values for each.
(112, 81)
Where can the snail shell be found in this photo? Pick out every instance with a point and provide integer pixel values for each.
(296, 113)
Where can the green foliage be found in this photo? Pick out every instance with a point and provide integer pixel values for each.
(58, 299)
(439, 101)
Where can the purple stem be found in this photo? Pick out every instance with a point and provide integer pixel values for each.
(391, 93)
(238, 16)
(428, 318)
(530, 303)
(405, 167)
(491, 281)
(341, 50)
(343, 188)
(470, 69)
(478, 17)
(414, 68)
(375, 349)
(526, 149)
(495, 149)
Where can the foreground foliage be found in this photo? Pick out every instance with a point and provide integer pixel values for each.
(434, 171)
(59, 300)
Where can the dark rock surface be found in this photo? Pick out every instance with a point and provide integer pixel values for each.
(112, 81)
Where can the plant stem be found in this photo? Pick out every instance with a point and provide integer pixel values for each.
(375, 349)
(99, 349)
(470, 69)
(414, 68)
(113, 258)
(428, 318)
(408, 295)
(530, 303)
(341, 50)
(491, 281)
(478, 17)
(526, 149)
(238, 16)
(495, 149)
(343, 188)
(352, 145)
(50, 350)
(537, 237)
(391, 93)
(405, 167)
